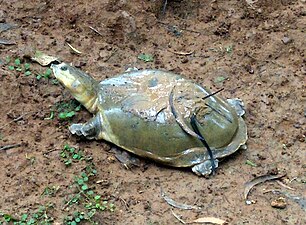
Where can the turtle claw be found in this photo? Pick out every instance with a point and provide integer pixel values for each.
(83, 130)
(204, 168)
(76, 129)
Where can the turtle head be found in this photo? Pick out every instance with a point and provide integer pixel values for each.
(82, 86)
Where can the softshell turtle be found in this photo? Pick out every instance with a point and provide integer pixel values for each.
(149, 113)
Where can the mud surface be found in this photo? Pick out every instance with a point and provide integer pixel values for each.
(255, 50)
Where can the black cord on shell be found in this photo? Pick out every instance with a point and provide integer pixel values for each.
(193, 123)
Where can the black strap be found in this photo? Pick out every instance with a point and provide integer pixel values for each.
(196, 130)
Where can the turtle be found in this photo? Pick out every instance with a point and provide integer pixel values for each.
(158, 115)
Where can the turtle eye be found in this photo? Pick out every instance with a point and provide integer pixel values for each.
(64, 68)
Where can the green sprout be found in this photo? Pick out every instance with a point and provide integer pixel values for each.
(38, 217)
(250, 163)
(11, 67)
(70, 154)
(7, 59)
(86, 196)
(45, 75)
(146, 57)
(50, 191)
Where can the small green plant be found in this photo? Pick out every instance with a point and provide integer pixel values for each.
(45, 75)
(229, 49)
(250, 163)
(66, 115)
(75, 218)
(7, 59)
(146, 57)
(25, 68)
(70, 154)
(68, 109)
(50, 191)
(86, 198)
(14, 66)
(39, 217)
(219, 79)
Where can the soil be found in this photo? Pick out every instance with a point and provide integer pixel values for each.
(255, 50)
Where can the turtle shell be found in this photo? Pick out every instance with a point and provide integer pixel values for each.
(148, 113)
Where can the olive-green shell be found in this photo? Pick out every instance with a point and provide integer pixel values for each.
(136, 114)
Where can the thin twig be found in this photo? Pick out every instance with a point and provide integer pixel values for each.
(181, 53)
(74, 50)
(95, 30)
(111, 55)
(21, 117)
(52, 150)
(284, 185)
(16, 119)
(68, 203)
(125, 204)
(6, 147)
(177, 217)
(175, 204)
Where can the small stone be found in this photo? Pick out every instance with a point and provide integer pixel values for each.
(111, 159)
(286, 40)
(185, 60)
(80, 64)
(279, 203)
(250, 202)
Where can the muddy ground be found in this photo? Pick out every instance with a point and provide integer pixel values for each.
(255, 50)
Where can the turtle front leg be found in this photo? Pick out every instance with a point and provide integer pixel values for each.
(90, 130)
(204, 168)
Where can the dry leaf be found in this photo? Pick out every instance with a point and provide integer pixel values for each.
(212, 220)
(173, 203)
(250, 184)
(44, 59)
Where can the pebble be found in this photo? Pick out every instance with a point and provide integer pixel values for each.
(286, 40)
(185, 60)
(279, 203)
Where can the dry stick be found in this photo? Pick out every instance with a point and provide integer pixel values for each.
(49, 151)
(20, 117)
(181, 53)
(68, 203)
(95, 30)
(6, 147)
(177, 217)
(16, 119)
(284, 185)
(111, 55)
(125, 204)
(74, 50)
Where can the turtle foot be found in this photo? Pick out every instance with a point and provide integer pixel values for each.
(238, 105)
(127, 159)
(204, 168)
(83, 130)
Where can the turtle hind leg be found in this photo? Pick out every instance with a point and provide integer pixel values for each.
(90, 129)
(127, 159)
(238, 105)
(205, 168)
